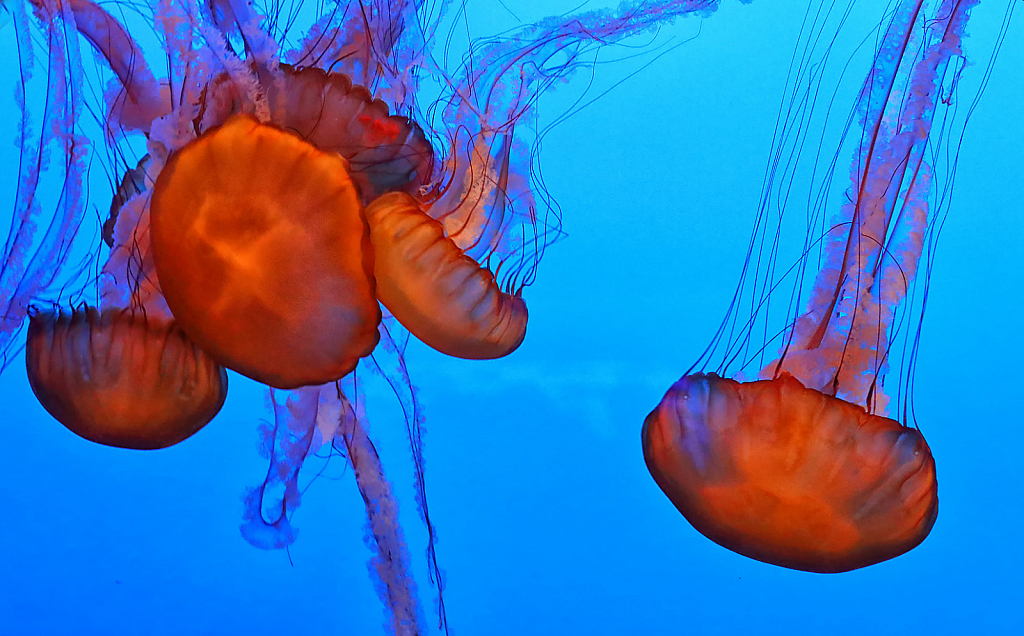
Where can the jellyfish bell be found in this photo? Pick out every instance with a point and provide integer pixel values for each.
(120, 378)
(790, 476)
(440, 294)
(263, 254)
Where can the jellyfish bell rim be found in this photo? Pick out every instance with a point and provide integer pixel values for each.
(693, 470)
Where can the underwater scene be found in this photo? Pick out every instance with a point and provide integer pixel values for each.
(538, 317)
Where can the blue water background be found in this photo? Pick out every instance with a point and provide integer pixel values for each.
(549, 523)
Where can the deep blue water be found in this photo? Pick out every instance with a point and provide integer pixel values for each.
(549, 523)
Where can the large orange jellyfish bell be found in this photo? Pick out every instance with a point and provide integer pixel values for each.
(121, 379)
(263, 254)
(440, 294)
(787, 475)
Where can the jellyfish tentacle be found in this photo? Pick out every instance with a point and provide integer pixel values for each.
(32, 263)
(128, 278)
(383, 46)
(142, 102)
(473, 206)
(391, 561)
(132, 184)
(388, 360)
(441, 295)
(890, 184)
(286, 442)
(310, 416)
(488, 205)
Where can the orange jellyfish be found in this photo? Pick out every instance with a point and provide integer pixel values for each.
(438, 292)
(802, 468)
(789, 475)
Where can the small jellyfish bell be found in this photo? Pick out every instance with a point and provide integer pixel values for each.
(434, 248)
(438, 292)
(120, 378)
(801, 468)
(432, 251)
(789, 475)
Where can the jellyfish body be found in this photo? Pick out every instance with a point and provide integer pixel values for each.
(800, 469)
(441, 295)
(786, 475)
(263, 255)
(120, 379)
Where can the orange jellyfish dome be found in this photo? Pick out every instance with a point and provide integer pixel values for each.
(441, 295)
(264, 256)
(790, 476)
(121, 379)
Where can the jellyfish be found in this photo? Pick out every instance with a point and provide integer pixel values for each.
(801, 467)
(120, 378)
